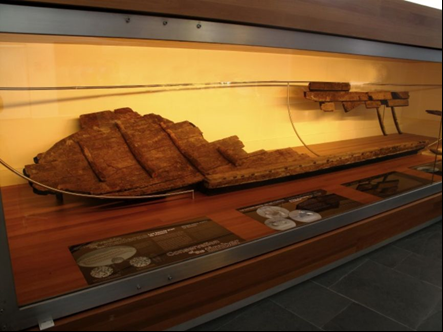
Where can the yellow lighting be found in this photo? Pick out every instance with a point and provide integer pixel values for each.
(257, 115)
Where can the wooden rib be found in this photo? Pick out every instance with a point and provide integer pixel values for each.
(94, 166)
(137, 156)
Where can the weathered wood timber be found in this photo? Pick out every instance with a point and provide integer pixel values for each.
(329, 93)
(327, 107)
(437, 113)
(329, 96)
(373, 104)
(398, 103)
(380, 95)
(122, 153)
(401, 95)
(351, 105)
(328, 86)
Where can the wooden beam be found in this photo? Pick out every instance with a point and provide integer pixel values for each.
(371, 104)
(351, 105)
(398, 103)
(401, 95)
(380, 95)
(336, 96)
(327, 86)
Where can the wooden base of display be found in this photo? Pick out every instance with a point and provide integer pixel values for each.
(41, 229)
(176, 304)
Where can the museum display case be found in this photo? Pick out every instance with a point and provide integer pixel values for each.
(139, 155)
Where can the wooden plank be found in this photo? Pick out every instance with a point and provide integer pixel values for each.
(327, 107)
(176, 304)
(401, 95)
(328, 86)
(380, 95)
(395, 21)
(336, 96)
(373, 104)
(398, 103)
(351, 105)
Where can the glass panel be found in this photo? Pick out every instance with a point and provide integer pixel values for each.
(273, 130)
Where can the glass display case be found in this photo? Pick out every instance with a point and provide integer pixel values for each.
(131, 163)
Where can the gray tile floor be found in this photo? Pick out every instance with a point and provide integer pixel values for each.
(397, 288)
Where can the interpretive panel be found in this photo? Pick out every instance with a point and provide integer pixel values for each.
(300, 210)
(389, 184)
(121, 256)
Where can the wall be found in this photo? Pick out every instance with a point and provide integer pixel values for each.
(31, 122)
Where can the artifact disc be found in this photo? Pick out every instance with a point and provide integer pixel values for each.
(102, 272)
(305, 216)
(280, 225)
(273, 212)
(106, 256)
(140, 261)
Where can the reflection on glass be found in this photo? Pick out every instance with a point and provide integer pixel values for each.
(430, 168)
(388, 185)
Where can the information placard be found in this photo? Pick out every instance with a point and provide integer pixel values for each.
(129, 254)
(300, 210)
(389, 184)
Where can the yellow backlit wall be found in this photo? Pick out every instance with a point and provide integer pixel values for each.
(31, 122)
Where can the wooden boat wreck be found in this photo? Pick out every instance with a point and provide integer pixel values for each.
(122, 153)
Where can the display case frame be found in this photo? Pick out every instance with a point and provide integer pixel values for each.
(68, 22)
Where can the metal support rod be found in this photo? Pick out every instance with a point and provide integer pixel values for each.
(382, 124)
(109, 197)
(397, 124)
(293, 125)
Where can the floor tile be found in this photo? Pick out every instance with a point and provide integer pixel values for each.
(312, 302)
(423, 268)
(427, 243)
(268, 316)
(437, 308)
(389, 256)
(330, 278)
(359, 318)
(436, 227)
(395, 281)
(433, 323)
(219, 322)
(391, 293)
